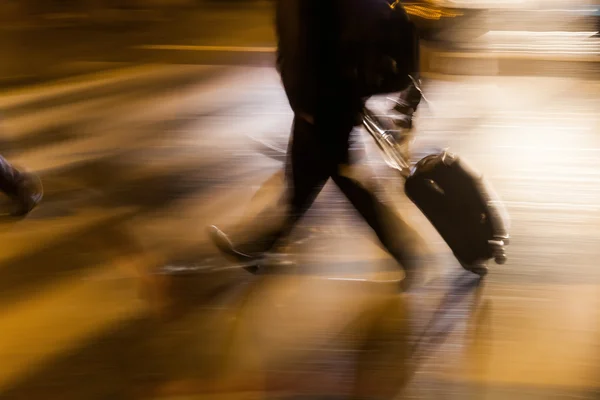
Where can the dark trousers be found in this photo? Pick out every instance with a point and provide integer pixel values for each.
(318, 152)
(9, 178)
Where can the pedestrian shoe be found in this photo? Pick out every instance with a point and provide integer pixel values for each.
(416, 276)
(29, 194)
(228, 249)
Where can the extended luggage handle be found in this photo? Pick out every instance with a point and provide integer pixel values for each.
(387, 143)
(387, 139)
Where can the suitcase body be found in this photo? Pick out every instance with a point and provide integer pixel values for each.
(462, 206)
(454, 197)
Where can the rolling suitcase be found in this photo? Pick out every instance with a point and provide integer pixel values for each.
(455, 198)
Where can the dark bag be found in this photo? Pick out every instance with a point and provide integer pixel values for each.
(380, 44)
(459, 203)
(462, 206)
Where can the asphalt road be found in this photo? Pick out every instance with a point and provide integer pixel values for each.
(111, 290)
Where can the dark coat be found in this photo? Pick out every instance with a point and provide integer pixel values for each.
(310, 59)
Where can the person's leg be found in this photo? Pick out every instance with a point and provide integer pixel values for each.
(396, 236)
(360, 186)
(25, 189)
(307, 172)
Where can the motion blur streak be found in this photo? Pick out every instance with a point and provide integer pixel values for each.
(147, 121)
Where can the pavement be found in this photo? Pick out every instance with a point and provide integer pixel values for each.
(110, 288)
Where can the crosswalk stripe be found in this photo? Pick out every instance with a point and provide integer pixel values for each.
(510, 54)
(11, 98)
(32, 233)
(20, 126)
(21, 96)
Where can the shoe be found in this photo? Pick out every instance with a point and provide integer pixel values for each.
(417, 274)
(227, 248)
(29, 194)
(413, 280)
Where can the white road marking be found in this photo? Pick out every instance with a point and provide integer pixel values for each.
(518, 55)
(532, 35)
(63, 87)
(178, 47)
(550, 206)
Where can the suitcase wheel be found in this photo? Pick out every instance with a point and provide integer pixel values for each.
(498, 250)
(500, 259)
(478, 268)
